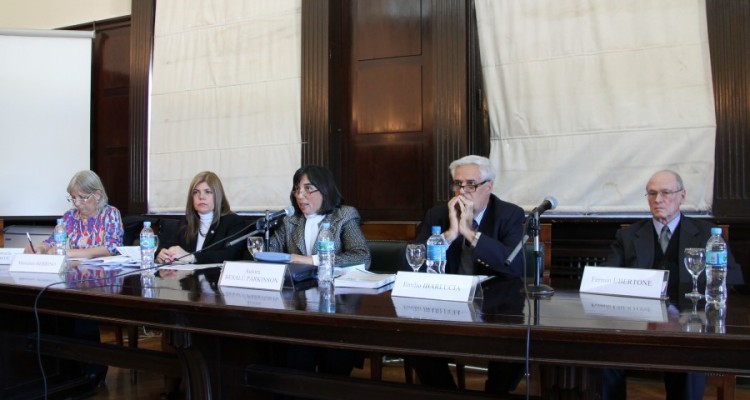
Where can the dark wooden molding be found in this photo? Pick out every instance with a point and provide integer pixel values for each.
(448, 59)
(141, 45)
(315, 109)
(729, 41)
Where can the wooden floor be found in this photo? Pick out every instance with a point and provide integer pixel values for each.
(150, 386)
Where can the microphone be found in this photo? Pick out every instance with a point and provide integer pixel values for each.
(264, 223)
(549, 203)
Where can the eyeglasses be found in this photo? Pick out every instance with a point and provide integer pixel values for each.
(78, 200)
(468, 188)
(307, 189)
(652, 194)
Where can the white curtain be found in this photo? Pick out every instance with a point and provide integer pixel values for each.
(225, 97)
(588, 98)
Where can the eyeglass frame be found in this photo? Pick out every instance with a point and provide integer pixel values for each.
(664, 193)
(80, 200)
(467, 188)
(305, 189)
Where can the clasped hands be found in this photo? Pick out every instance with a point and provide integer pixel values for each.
(461, 216)
(174, 254)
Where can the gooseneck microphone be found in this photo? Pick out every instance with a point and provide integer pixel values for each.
(264, 223)
(549, 203)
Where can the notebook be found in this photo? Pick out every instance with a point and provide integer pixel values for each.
(301, 272)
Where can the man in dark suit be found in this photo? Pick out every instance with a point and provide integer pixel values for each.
(660, 242)
(482, 231)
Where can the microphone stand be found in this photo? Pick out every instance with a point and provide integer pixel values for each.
(267, 236)
(538, 290)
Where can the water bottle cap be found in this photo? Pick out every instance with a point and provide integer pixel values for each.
(147, 223)
(435, 229)
(716, 230)
(326, 225)
(59, 221)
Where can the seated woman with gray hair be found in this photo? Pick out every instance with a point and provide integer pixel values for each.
(94, 227)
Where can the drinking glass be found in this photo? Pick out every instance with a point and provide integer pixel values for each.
(415, 254)
(254, 245)
(695, 262)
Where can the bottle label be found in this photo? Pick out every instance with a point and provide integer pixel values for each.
(325, 246)
(148, 243)
(436, 252)
(60, 237)
(716, 258)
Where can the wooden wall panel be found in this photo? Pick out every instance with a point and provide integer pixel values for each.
(729, 41)
(317, 145)
(395, 180)
(141, 45)
(388, 98)
(112, 100)
(387, 28)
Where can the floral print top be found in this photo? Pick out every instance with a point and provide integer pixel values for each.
(103, 229)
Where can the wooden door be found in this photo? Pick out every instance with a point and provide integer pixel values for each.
(386, 124)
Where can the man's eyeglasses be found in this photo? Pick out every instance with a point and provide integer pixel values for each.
(307, 189)
(652, 194)
(78, 200)
(468, 188)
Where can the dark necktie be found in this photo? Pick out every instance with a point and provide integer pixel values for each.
(664, 239)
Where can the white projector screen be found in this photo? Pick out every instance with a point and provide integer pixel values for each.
(45, 114)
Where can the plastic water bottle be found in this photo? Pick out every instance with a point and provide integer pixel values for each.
(326, 253)
(716, 268)
(327, 298)
(148, 248)
(716, 314)
(60, 236)
(436, 249)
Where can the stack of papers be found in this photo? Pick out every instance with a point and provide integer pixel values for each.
(107, 261)
(357, 278)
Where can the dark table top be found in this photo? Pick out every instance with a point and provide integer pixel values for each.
(567, 328)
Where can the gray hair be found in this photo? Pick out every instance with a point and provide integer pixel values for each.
(88, 182)
(485, 168)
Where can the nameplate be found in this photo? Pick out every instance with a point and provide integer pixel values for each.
(636, 309)
(7, 254)
(440, 310)
(447, 287)
(38, 263)
(254, 298)
(252, 275)
(633, 282)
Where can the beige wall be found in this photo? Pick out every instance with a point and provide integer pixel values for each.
(50, 14)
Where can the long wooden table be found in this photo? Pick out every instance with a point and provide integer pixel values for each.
(219, 331)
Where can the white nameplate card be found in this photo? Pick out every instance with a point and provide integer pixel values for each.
(407, 307)
(253, 275)
(634, 282)
(447, 287)
(636, 309)
(7, 254)
(39, 263)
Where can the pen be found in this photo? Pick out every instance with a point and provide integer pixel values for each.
(30, 243)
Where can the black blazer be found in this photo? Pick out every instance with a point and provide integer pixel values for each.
(229, 224)
(502, 229)
(634, 247)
